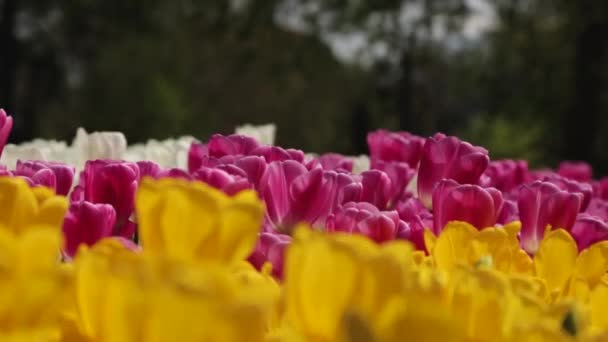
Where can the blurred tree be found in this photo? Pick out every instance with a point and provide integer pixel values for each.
(536, 81)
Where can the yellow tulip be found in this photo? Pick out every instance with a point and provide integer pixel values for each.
(123, 296)
(33, 288)
(190, 221)
(23, 208)
(333, 280)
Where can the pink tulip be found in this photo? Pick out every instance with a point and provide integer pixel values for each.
(111, 182)
(294, 194)
(598, 207)
(505, 175)
(508, 213)
(394, 146)
(365, 219)
(478, 206)
(448, 157)
(400, 175)
(376, 188)
(600, 188)
(541, 204)
(270, 248)
(418, 218)
(6, 125)
(576, 170)
(233, 144)
(54, 175)
(331, 161)
(275, 153)
(588, 230)
(86, 223)
(222, 180)
(196, 154)
(585, 189)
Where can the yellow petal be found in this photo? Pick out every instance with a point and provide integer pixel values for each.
(452, 245)
(592, 263)
(492, 242)
(429, 240)
(52, 211)
(192, 221)
(18, 205)
(555, 259)
(320, 284)
(598, 302)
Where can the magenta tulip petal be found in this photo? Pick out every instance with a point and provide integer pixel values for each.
(234, 144)
(148, 169)
(6, 125)
(56, 176)
(451, 158)
(86, 223)
(376, 188)
(588, 230)
(469, 203)
(275, 188)
(365, 219)
(196, 154)
(541, 204)
(394, 146)
(400, 175)
(576, 170)
(331, 161)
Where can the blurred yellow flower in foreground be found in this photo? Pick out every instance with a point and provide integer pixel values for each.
(23, 207)
(191, 221)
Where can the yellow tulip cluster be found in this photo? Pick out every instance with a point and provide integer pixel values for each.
(191, 282)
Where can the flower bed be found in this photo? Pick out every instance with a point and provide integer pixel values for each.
(239, 240)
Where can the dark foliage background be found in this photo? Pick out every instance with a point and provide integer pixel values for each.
(533, 84)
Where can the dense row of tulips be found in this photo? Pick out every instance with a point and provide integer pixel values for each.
(240, 240)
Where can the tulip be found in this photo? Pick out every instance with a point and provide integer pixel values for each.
(35, 289)
(196, 154)
(418, 218)
(376, 188)
(111, 182)
(331, 161)
(448, 157)
(86, 223)
(6, 125)
(600, 188)
(222, 180)
(233, 144)
(210, 224)
(275, 153)
(598, 207)
(365, 219)
(24, 208)
(395, 146)
(270, 248)
(505, 175)
(584, 189)
(293, 194)
(400, 175)
(588, 230)
(509, 212)
(578, 171)
(57, 176)
(478, 206)
(329, 276)
(98, 145)
(541, 204)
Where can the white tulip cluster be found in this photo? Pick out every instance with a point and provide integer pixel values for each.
(169, 153)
